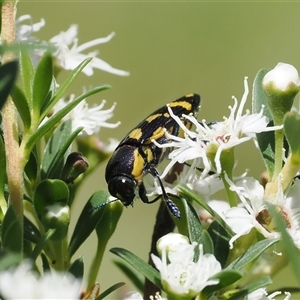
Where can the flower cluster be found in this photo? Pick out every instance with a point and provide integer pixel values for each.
(53, 285)
(229, 248)
(181, 275)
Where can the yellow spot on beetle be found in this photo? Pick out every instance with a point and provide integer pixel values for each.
(136, 134)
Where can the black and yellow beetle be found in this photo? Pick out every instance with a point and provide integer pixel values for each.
(137, 155)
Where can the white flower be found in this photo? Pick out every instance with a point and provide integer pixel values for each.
(20, 283)
(69, 54)
(180, 274)
(24, 32)
(254, 213)
(219, 206)
(261, 294)
(219, 136)
(282, 76)
(90, 118)
(138, 296)
(133, 296)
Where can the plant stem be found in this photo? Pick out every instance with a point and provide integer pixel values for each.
(278, 153)
(10, 127)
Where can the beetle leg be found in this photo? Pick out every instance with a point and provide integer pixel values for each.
(170, 204)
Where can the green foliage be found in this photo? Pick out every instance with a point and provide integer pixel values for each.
(77, 267)
(43, 77)
(11, 228)
(291, 130)
(266, 140)
(8, 76)
(48, 169)
(110, 290)
(149, 272)
(88, 220)
(48, 192)
(44, 145)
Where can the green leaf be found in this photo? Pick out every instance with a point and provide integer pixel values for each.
(191, 196)
(207, 242)
(149, 272)
(105, 229)
(226, 278)
(193, 223)
(22, 106)
(291, 128)
(32, 167)
(110, 290)
(11, 235)
(31, 233)
(220, 240)
(42, 130)
(42, 82)
(48, 192)
(266, 140)
(27, 74)
(291, 251)
(261, 282)
(63, 87)
(77, 268)
(8, 76)
(46, 265)
(57, 150)
(88, 220)
(9, 259)
(135, 278)
(251, 254)
(41, 243)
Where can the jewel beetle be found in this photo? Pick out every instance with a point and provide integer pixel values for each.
(137, 155)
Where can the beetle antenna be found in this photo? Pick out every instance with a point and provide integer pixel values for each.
(102, 205)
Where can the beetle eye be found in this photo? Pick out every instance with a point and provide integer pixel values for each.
(123, 188)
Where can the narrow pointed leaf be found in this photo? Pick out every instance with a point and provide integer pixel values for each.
(57, 150)
(110, 290)
(226, 278)
(46, 265)
(21, 103)
(59, 115)
(252, 254)
(220, 240)
(11, 228)
(41, 243)
(42, 81)
(189, 194)
(64, 86)
(135, 278)
(149, 272)
(8, 76)
(31, 233)
(77, 268)
(266, 140)
(193, 222)
(27, 74)
(88, 220)
(261, 282)
(291, 131)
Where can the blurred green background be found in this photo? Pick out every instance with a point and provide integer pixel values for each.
(170, 49)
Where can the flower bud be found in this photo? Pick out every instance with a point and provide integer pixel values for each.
(75, 165)
(56, 216)
(281, 85)
(170, 242)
